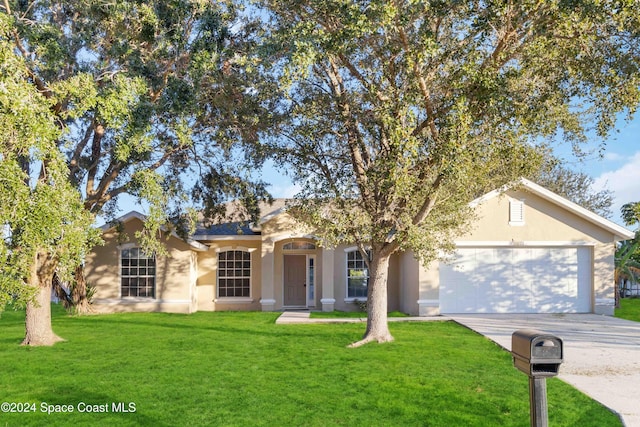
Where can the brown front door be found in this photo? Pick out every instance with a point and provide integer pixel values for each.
(295, 272)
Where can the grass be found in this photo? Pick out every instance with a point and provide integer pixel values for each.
(350, 314)
(629, 309)
(240, 369)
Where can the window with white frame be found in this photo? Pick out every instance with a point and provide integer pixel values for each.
(357, 275)
(137, 273)
(234, 274)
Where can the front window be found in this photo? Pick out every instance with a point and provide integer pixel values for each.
(234, 274)
(357, 275)
(137, 274)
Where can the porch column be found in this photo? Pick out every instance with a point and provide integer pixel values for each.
(604, 284)
(268, 300)
(328, 299)
(428, 290)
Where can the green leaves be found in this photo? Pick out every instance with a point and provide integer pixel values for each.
(39, 210)
(401, 114)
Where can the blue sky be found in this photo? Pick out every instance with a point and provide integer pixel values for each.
(618, 168)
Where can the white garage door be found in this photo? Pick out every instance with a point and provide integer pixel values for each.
(517, 280)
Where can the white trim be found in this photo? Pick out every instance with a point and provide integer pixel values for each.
(234, 248)
(250, 251)
(267, 301)
(134, 245)
(281, 237)
(520, 243)
(355, 299)
(428, 302)
(346, 273)
(124, 218)
(233, 300)
(140, 300)
(124, 246)
(326, 301)
(620, 233)
(311, 302)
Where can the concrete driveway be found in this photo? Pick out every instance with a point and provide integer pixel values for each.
(601, 353)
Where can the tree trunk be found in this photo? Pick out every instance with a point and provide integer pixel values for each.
(80, 302)
(377, 325)
(38, 316)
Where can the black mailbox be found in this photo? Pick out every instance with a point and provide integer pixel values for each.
(536, 353)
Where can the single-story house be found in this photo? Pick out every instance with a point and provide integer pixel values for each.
(531, 251)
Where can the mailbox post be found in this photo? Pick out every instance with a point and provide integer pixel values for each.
(538, 355)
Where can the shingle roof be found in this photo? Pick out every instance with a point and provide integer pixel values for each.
(233, 225)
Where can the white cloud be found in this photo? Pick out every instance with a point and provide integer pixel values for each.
(286, 191)
(614, 157)
(624, 182)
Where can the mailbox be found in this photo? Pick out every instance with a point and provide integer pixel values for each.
(536, 353)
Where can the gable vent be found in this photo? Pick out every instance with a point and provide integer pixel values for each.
(516, 212)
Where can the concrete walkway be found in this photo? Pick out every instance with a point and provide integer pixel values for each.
(291, 317)
(601, 353)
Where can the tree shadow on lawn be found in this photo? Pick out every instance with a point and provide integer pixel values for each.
(225, 325)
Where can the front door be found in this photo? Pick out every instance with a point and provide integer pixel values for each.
(295, 283)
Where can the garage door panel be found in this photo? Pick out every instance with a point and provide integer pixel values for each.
(516, 280)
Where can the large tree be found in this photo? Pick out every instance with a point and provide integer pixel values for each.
(401, 112)
(156, 99)
(44, 224)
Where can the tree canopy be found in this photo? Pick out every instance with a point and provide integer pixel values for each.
(157, 97)
(40, 211)
(158, 100)
(400, 113)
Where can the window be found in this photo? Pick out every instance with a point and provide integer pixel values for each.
(357, 275)
(516, 212)
(137, 274)
(298, 246)
(234, 274)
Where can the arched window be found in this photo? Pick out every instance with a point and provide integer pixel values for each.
(357, 275)
(234, 274)
(292, 246)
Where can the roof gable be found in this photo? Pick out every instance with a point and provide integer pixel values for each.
(620, 232)
(133, 215)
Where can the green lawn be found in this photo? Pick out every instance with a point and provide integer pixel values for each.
(629, 309)
(240, 369)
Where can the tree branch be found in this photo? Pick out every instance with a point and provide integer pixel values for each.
(429, 201)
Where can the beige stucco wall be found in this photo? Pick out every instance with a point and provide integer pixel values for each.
(175, 275)
(207, 276)
(545, 224)
(418, 290)
(186, 281)
(276, 232)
